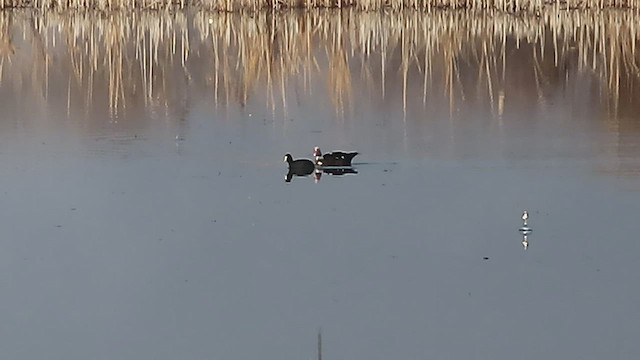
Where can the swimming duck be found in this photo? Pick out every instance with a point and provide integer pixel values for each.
(300, 167)
(336, 158)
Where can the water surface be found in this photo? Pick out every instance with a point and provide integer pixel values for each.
(146, 215)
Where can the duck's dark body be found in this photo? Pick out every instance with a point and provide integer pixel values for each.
(300, 167)
(336, 158)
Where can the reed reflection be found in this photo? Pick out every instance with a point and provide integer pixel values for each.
(152, 58)
(147, 66)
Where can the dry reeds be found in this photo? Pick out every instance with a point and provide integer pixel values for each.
(366, 5)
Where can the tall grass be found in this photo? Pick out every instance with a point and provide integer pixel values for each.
(159, 60)
(367, 5)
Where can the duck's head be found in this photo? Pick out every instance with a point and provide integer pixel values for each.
(288, 158)
(317, 152)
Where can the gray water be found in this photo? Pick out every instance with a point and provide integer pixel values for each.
(163, 228)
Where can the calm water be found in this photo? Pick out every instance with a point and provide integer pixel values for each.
(145, 213)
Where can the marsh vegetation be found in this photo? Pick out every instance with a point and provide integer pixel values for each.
(367, 5)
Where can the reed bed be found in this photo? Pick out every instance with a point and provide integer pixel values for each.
(366, 5)
(159, 61)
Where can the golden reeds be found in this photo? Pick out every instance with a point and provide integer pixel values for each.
(365, 5)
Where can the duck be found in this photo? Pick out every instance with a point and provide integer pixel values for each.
(336, 158)
(300, 167)
(525, 217)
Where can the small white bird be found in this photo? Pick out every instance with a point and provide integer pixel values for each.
(525, 217)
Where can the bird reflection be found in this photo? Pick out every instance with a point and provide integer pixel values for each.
(333, 171)
(525, 241)
(289, 176)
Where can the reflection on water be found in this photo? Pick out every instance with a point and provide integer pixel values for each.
(183, 218)
(334, 172)
(130, 57)
(525, 241)
(149, 68)
(319, 344)
(317, 174)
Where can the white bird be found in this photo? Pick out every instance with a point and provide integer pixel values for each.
(525, 217)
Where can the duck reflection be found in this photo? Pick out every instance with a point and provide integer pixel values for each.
(291, 174)
(334, 172)
(317, 173)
